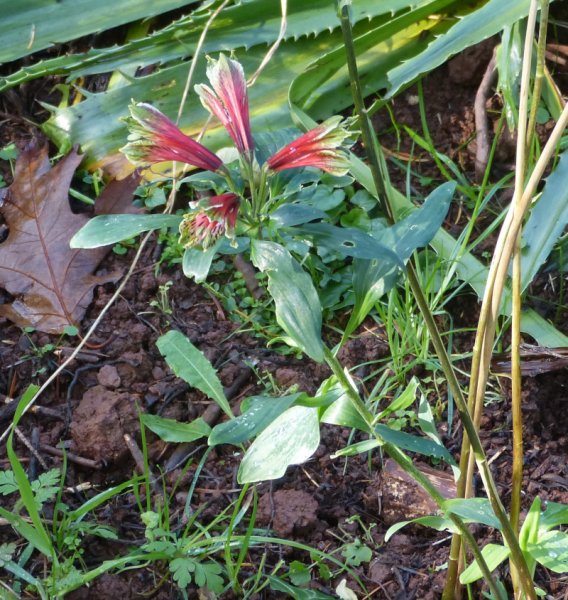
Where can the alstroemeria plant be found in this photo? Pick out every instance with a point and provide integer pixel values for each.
(154, 138)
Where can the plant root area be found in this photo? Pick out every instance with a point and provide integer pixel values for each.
(334, 505)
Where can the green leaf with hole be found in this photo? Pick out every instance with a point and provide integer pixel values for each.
(171, 430)
(110, 229)
(298, 309)
(190, 364)
(494, 555)
(348, 241)
(260, 412)
(289, 440)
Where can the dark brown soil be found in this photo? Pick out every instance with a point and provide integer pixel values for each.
(96, 402)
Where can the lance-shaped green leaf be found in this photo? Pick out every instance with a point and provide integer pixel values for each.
(298, 309)
(350, 242)
(546, 223)
(289, 440)
(171, 430)
(494, 555)
(190, 364)
(413, 443)
(110, 229)
(474, 510)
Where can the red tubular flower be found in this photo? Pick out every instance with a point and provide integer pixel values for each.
(154, 138)
(205, 225)
(320, 147)
(228, 100)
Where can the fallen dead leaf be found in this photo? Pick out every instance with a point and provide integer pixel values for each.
(51, 283)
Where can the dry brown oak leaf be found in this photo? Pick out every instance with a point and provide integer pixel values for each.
(51, 283)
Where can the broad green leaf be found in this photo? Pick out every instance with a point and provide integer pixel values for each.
(420, 445)
(171, 430)
(190, 364)
(551, 551)
(546, 223)
(32, 25)
(260, 412)
(494, 555)
(435, 522)
(289, 440)
(298, 309)
(470, 29)
(474, 510)
(196, 263)
(110, 229)
(289, 215)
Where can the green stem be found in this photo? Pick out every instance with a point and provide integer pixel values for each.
(408, 466)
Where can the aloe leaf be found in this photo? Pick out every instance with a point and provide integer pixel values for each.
(470, 29)
(190, 364)
(298, 309)
(28, 25)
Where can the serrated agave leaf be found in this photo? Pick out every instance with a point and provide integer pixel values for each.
(471, 28)
(28, 25)
(240, 26)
